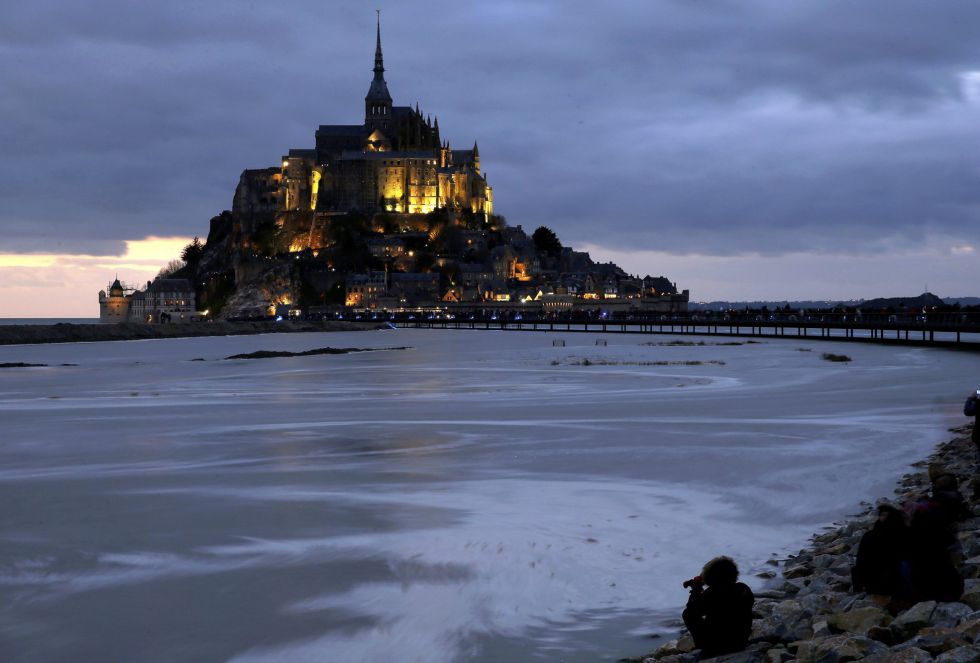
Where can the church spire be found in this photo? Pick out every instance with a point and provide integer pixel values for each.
(379, 61)
(377, 103)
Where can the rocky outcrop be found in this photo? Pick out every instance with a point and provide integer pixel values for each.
(262, 285)
(811, 615)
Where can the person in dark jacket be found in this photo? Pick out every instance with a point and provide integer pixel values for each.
(935, 545)
(972, 409)
(883, 558)
(719, 617)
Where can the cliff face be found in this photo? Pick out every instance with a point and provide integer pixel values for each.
(253, 262)
(262, 284)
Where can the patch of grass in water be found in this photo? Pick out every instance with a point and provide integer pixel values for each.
(604, 362)
(830, 356)
(268, 354)
(690, 344)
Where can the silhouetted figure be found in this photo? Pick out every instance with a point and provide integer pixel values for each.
(972, 409)
(883, 563)
(935, 547)
(719, 617)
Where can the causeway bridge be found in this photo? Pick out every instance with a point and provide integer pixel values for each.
(960, 331)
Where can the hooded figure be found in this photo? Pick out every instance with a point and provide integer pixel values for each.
(719, 617)
(935, 547)
(972, 409)
(883, 557)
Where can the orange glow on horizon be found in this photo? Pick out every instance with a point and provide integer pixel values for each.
(66, 285)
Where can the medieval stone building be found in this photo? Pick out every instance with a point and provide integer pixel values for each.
(396, 161)
(163, 300)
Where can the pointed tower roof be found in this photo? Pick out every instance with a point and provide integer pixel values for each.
(379, 89)
(476, 149)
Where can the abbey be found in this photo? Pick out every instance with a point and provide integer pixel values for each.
(382, 215)
(396, 161)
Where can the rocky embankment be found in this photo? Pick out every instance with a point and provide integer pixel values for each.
(70, 333)
(810, 614)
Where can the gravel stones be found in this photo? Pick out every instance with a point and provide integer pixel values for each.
(811, 614)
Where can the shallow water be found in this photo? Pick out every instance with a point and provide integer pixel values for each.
(482, 496)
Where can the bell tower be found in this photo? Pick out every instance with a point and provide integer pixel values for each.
(377, 103)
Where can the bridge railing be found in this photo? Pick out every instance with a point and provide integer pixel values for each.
(947, 321)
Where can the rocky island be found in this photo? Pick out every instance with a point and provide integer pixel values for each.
(384, 214)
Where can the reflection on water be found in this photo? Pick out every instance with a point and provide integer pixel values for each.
(482, 496)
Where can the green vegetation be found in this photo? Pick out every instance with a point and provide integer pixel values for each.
(171, 269)
(268, 239)
(546, 241)
(214, 293)
(193, 252)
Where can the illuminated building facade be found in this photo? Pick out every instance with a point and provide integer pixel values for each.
(114, 303)
(163, 300)
(396, 161)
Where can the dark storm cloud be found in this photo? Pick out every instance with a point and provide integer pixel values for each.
(716, 127)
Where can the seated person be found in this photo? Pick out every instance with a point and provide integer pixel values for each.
(719, 617)
(883, 556)
(935, 547)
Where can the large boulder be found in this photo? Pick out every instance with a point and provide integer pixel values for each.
(960, 655)
(971, 596)
(674, 658)
(908, 655)
(935, 640)
(752, 654)
(969, 628)
(928, 613)
(859, 620)
(838, 648)
(778, 655)
(681, 645)
(797, 571)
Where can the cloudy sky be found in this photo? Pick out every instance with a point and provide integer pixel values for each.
(747, 149)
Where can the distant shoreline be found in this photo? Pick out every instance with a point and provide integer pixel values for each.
(21, 334)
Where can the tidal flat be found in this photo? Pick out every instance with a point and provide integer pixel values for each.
(466, 499)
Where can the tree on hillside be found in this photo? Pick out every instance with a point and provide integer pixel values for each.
(170, 268)
(438, 218)
(193, 252)
(268, 238)
(546, 241)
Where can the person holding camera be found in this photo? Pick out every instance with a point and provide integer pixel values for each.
(719, 617)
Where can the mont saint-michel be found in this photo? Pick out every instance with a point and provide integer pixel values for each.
(382, 215)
